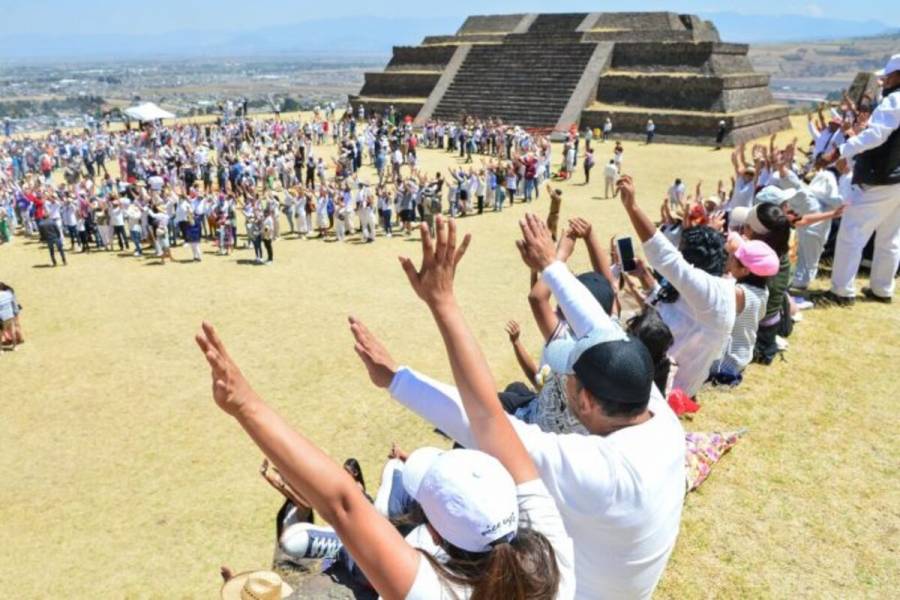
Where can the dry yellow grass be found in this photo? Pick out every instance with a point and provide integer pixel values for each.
(123, 480)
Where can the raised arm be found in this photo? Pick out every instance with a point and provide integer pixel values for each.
(583, 312)
(693, 284)
(384, 556)
(541, 309)
(433, 283)
(599, 257)
(526, 362)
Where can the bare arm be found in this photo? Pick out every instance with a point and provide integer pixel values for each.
(526, 362)
(433, 283)
(600, 261)
(539, 301)
(384, 556)
(643, 226)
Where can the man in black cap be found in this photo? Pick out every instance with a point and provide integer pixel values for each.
(620, 487)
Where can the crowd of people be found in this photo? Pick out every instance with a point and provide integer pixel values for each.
(234, 182)
(571, 482)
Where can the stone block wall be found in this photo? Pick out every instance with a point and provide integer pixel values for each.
(490, 24)
(392, 83)
(703, 57)
(413, 56)
(710, 93)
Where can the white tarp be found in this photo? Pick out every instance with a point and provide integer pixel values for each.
(148, 112)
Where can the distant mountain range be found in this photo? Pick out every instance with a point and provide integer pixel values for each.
(366, 36)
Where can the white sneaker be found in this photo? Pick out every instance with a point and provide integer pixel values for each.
(782, 343)
(802, 303)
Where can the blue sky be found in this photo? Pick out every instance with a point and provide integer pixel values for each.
(150, 16)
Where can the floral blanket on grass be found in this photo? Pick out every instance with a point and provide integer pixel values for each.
(704, 449)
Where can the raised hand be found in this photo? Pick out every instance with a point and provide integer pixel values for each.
(379, 363)
(625, 188)
(433, 280)
(580, 228)
(537, 248)
(512, 329)
(231, 390)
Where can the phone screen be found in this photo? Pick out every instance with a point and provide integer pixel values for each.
(626, 254)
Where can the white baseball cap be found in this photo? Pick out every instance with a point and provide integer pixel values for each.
(468, 496)
(775, 195)
(893, 64)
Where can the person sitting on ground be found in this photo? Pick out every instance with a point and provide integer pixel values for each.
(477, 505)
(750, 263)
(619, 489)
(694, 300)
(767, 222)
(9, 322)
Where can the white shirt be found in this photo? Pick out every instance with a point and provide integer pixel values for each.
(743, 194)
(700, 320)
(537, 505)
(884, 121)
(676, 194)
(620, 496)
(611, 171)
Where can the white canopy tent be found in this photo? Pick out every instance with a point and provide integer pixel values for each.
(148, 112)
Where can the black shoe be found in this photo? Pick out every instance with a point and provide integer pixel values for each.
(870, 295)
(829, 299)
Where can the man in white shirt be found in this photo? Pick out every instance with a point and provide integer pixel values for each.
(610, 173)
(874, 203)
(620, 489)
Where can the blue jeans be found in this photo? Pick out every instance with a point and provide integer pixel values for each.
(136, 239)
(56, 245)
(529, 188)
(386, 221)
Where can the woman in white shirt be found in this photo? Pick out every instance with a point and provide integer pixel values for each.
(695, 301)
(487, 510)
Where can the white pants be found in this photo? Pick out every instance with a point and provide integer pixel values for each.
(302, 222)
(810, 244)
(340, 228)
(367, 224)
(872, 209)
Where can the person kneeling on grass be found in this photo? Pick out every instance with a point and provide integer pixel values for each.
(487, 510)
(619, 489)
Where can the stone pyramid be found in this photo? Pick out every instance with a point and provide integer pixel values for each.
(547, 72)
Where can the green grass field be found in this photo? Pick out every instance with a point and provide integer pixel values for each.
(123, 480)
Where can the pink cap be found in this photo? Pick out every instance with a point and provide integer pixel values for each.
(756, 255)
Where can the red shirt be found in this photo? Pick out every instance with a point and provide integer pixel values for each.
(39, 212)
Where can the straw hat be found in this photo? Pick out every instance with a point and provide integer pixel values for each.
(256, 585)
